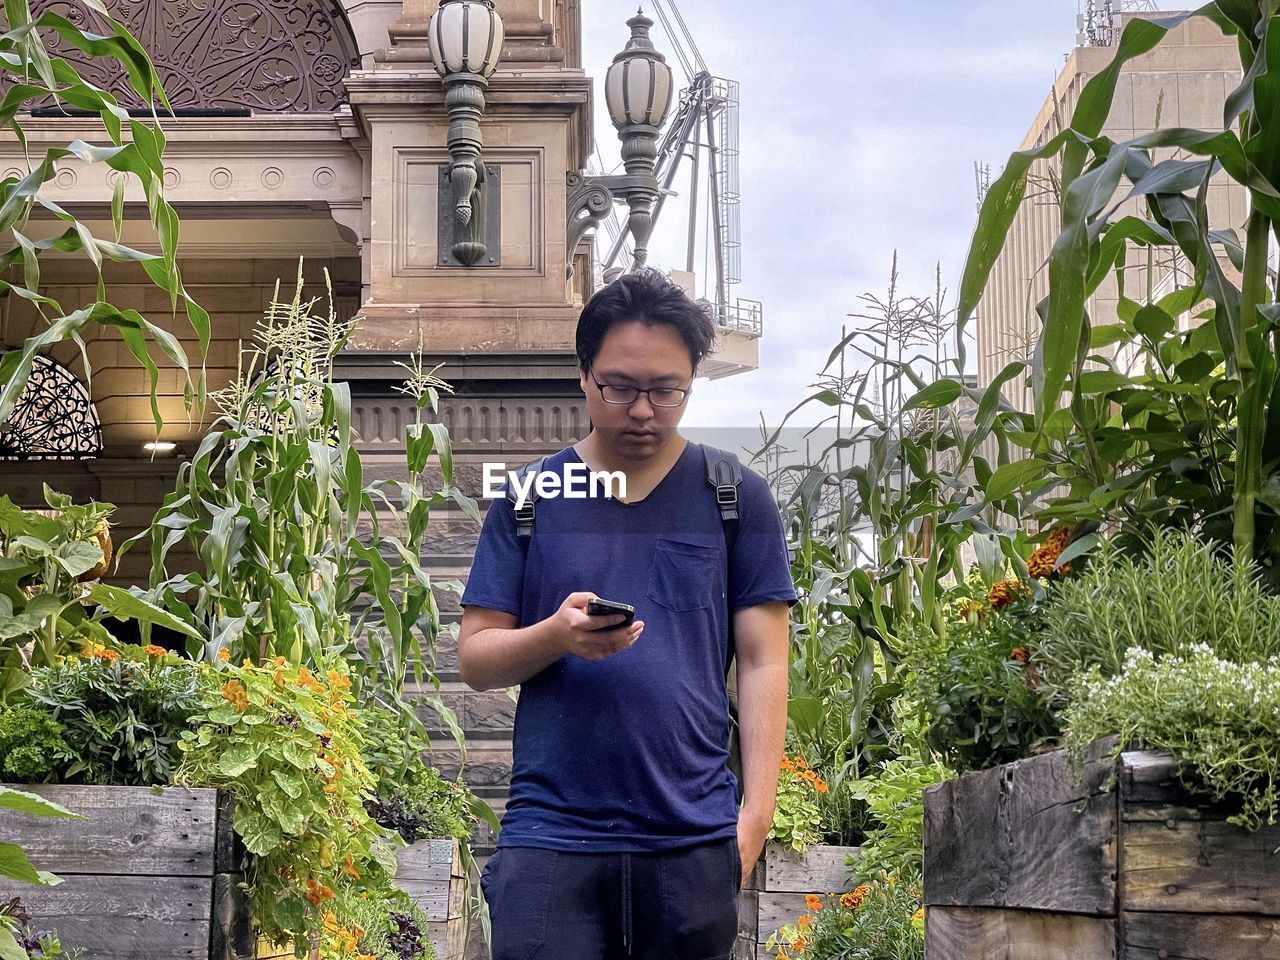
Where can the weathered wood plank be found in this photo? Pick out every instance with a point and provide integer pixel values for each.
(437, 859)
(966, 933)
(776, 911)
(1201, 866)
(1027, 835)
(820, 869)
(748, 914)
(123, 917)
(129, 831)
(1157, 936)
(439, 900)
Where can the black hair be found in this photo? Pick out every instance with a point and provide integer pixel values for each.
(645, 295)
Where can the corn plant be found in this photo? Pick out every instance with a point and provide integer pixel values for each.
(32, 77)
(299, 557)
(1190, 434)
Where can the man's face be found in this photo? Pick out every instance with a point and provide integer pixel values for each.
(634, 354)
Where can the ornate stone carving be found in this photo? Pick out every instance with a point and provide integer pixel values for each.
(477, 421)
(54, 418)
(267, 56)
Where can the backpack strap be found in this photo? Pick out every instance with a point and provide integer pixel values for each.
(524, 514)
(724, 476)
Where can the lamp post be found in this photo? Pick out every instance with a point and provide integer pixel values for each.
(637, 93)
(465, 38)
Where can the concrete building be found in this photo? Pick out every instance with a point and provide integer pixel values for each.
(318, 129)
(1183, 82)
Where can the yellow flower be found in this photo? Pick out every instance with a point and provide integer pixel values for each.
(918, 916)
(236, 695)
(224, 654)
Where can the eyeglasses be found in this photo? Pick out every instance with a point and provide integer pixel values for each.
(658, 396)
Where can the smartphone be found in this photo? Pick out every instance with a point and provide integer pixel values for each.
(602, 608)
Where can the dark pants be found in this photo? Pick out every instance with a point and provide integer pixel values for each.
(676, 905)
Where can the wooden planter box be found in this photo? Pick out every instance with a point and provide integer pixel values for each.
(430, 872)
(145, 876)
(1025, 862)
(774, 894)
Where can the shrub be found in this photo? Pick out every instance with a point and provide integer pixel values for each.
(796, 818)
(981, 695)
(123, 711)
(1179, 593)
(394, 928)
(882, 919)
(31, 744)
(1221, 718)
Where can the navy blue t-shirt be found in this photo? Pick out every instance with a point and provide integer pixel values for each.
(629, 753)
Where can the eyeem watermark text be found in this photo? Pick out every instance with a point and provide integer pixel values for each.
(576, 481)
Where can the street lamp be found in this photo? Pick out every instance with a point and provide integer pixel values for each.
(465, 38)
(637, 93)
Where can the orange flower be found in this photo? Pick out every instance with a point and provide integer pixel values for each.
(786, 764)
(1044, 561)
(1021, 654)
(918, 916)
(317, 893)
(1004, 593)
(151, 650)
(813, 902)
(236, 695)
(224, 654)
(820, 785)
(350, 869)
(800, 763)
(338, 680)
(110, 656)
(805, 920)
(810, 776)
(853, 899)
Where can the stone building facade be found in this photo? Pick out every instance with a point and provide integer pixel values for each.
(317, 129)
(1183, 82)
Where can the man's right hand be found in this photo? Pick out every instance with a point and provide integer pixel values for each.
(580, 634)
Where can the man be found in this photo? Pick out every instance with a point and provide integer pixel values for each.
(623, 836)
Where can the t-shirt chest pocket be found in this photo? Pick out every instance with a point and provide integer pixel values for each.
(683, 577)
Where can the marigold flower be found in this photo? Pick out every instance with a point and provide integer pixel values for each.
(1004, 593)
(1044, 561)
(1021, 654)
(224, 654)
(110, 656)
(813, 902)
(151, 650)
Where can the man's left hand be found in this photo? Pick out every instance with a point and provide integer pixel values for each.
(753, 831)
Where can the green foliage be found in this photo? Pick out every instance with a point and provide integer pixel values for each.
(982, 698)
(1220, 717)
(1189, 431)
(394, 928)
(47, 565)
(797, 822)
(298, 560)
(1179, 592)
(124, 713)
(138, 159)
(422, 805)
(894, 795)
(14, 864)
(31, 744)
(285, 742)
(882, 919)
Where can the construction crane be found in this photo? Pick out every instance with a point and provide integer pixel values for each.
(704, 131)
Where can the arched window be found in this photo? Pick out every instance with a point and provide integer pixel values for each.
(226, 56)
(54, 418)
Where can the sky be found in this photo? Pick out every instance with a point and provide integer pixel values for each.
(861, 121)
